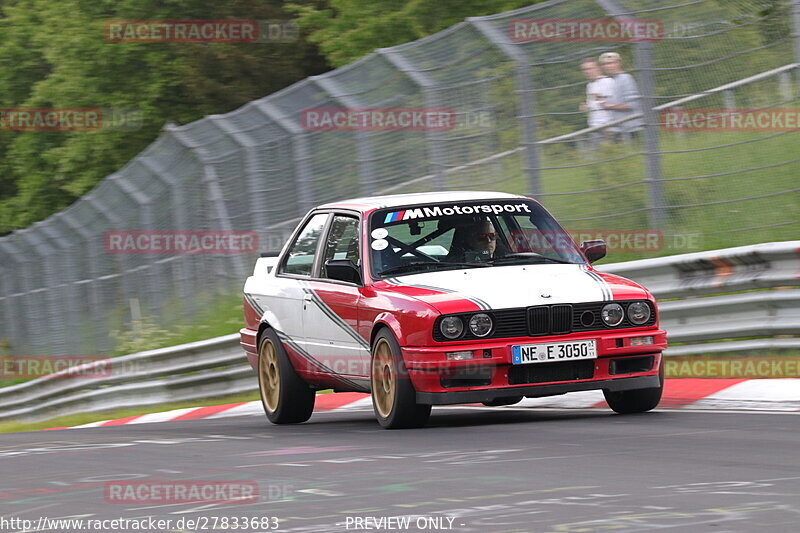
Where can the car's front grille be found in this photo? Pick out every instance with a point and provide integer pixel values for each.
(559, 319)
(556, 319)
(548, 372)
(508, 322)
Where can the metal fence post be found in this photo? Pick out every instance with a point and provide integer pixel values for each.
(796, 35)
(300, 152)
(66, 274)
(363, 146)
(526, 104)
(121, 260)
(181, 267)
(100, 342)
(15, 317)
(53, 314)
(214, 193)
(643, 58)
(7, 325)
(642, 52)
(428, 87)
(156, 296)
(258, 213)
(729, 99)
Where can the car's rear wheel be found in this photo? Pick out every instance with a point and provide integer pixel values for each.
(506, 400)
(638, 400)
(286, 398)
(393, 394)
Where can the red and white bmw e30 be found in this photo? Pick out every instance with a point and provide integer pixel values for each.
(445, 298)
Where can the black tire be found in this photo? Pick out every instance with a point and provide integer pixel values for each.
(506, 400)
(637, 400)
(293, 401)
(393, 394)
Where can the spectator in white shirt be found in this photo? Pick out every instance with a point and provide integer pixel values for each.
(625, 99)
(598, 90)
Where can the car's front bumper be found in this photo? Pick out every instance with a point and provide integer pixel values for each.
(537, 391)
(490, 373)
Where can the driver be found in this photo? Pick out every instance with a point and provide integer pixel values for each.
(479, 243)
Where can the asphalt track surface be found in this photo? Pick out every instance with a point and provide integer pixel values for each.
(500, 470)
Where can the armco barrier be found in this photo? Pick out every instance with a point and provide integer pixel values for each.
(695, 312)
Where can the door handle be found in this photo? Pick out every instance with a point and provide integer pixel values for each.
(307, 297)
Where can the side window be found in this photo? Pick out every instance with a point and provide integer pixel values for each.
(300, 259)
(342, 241)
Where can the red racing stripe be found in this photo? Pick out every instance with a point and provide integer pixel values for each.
(444, 302)
(120, 421)
(681, 392)
(621, 288)
(204, 412)
(328, 402)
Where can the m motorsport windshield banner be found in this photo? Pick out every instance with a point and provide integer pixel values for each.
(438, 211)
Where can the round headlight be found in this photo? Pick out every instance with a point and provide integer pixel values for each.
(451, 327)
(480, 325)
(612, 314)
(638, 313)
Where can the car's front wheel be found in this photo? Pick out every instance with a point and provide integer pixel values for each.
(286, 398)
(393, 394)
(638, 400)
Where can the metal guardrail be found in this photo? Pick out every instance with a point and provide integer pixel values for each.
(217, 367)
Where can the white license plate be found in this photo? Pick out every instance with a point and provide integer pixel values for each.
(553, 352)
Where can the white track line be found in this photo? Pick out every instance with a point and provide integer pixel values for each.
(362, 404)
(166, 416)
(763, 394)
(253, 408)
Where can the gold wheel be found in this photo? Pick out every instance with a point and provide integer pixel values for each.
(269, 377)
(384, 382)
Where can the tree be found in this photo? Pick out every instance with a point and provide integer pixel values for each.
(53, 53)
(346, 30)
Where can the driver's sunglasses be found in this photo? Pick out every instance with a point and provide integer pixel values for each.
(487, 236)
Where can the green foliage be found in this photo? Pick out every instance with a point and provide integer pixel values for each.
(53, 53)
(219, 316)
(346, 30)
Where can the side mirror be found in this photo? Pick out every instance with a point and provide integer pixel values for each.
(594, 250)
(343, 270)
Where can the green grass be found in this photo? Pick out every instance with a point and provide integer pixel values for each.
(619, 172)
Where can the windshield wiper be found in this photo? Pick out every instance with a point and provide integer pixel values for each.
(532, 257)
(428, 264)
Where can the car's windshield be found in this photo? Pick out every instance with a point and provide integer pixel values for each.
(466, 235)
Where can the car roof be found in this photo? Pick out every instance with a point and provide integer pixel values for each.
(370, 203)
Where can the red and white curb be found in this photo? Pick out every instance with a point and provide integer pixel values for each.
(734, 394)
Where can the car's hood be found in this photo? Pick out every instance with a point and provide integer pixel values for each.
(504, 287)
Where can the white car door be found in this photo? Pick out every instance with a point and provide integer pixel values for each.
(288, 296)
